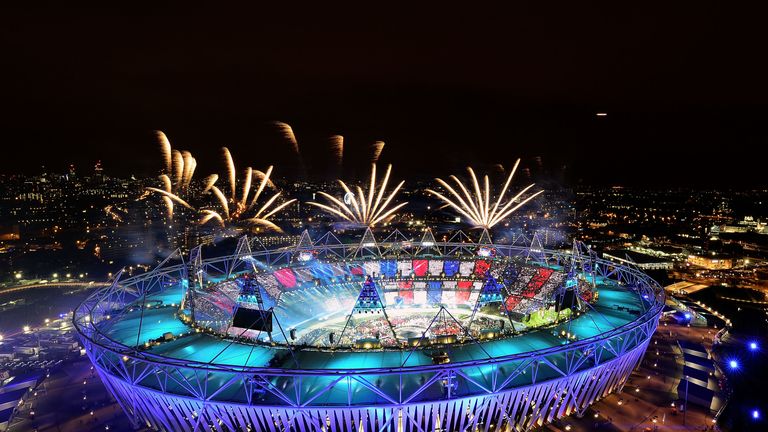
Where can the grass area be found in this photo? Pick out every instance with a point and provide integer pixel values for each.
(546, 317)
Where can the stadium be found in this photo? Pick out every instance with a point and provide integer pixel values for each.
(370, 335)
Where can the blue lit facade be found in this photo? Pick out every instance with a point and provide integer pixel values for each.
(198, 379)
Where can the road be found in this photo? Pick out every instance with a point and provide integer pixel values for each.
(83, 285)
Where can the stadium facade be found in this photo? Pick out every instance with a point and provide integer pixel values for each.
(397, 334)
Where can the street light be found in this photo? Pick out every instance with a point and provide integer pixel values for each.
(753, 346)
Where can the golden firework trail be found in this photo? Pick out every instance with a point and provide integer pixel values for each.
(378, 147)
(363, 208)
(476, 205)
(237, 207)
(288, 134)
(179, 168)
(165, 149)
(337, 147)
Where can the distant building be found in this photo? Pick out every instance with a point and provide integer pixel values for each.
(714, 262)
(748, 224)
(641, 260)
(10, 233)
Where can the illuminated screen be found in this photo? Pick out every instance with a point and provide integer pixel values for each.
(511, 302)
(322, 271)
(462, 291)
(286, 278)
(451, 268)
(269, 283)
(434, 292)
(372, 268)
(420, 292)
(481, 267)
(389, 268)
(356, 269)
(420, 267)
(406, 291)
(466, 267)
(405, 268)
(303, 274)
(435, 267)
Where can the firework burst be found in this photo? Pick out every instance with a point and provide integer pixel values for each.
(363, 208)
(179, 168)
(476, 206)
(241, 206)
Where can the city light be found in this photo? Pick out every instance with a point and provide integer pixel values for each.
(520, 268)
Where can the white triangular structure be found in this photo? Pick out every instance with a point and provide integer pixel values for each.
(485, 238)
(460, 237)
(569, 294)
(397, 242)
(305, 242)
(428, 244)
(589, 263)
(328, 239)
(520, 239)
(368, 246)
(194, 279)
(243, 246)
(536, 249)
(329, 244)
(257, 245)
(491, 292)
(242, 253)
(395, 237)
(461, 243)
(368, 301)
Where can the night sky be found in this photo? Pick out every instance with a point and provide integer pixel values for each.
(685, 89)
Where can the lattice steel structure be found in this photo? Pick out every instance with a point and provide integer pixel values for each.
(514, 390)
